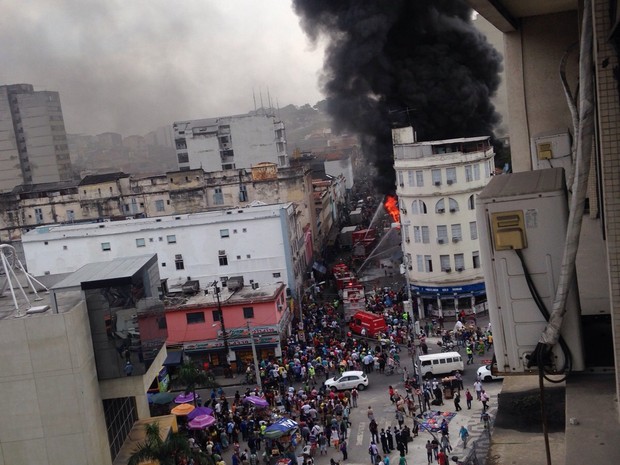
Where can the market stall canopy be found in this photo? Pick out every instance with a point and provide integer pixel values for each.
(201, 422)
(257, 401)
(199, 411)
(183, 398)
(280, 428)
(161, 398)
(182, 410)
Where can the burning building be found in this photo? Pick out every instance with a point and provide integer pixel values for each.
(437, 182)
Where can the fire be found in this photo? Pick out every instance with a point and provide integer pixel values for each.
(390, 203)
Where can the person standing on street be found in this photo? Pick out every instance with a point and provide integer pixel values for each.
(390, 439)
(484, 398)
(464, 435)
(370, 413)
(468, 398)
(470, 355)
(457, 402)
(374, 431)
(343, 449)
(429, 451)
(384, 443)
(478, 388)
(354, 395)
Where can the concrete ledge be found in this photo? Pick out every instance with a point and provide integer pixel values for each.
(591, 400)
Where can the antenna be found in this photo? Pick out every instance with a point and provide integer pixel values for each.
(269, 100)
(254, 97)
(260, 92)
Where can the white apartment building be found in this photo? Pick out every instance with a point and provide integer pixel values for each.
(230, 142)
(33, 141)
(263, 244)
(437, 185)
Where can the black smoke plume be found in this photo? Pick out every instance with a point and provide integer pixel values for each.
(401, 62)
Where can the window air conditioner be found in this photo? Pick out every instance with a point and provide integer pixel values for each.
(441, 210)
(460, 268)
(456, 239)
(449, 181)
(447, 270)
(440, 241)
(452, 210)
(438, 183)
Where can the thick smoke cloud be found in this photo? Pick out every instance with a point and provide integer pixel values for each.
(403, 61)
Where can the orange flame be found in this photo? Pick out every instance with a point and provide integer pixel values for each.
(390, 203)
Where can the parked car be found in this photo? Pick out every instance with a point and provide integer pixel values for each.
(485, 374)
(348, 380)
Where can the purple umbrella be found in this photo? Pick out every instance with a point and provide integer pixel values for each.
(184, 398)
(257, 401)
(201, 422)
(199, 411)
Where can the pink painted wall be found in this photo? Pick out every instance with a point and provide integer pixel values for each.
(265, 314)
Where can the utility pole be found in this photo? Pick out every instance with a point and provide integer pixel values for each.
(255, 357)
(216, 290)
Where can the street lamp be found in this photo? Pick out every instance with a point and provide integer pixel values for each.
(255, 357)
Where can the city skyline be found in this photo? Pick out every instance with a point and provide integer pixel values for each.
(133, 67)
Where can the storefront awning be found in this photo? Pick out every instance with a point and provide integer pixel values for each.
(173, 359)
(467, 290)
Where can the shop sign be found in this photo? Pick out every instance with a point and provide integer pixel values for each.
(236, 333)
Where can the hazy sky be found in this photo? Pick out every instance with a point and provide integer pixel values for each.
(131, 65)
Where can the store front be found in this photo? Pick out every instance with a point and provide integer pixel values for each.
(447, 302)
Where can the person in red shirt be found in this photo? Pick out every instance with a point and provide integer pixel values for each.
(442, 459)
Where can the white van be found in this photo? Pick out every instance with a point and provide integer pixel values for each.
(443, 363)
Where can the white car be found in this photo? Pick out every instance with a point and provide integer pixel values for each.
(485, 374)
(348, 380)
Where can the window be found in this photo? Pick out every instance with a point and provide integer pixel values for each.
(248, 256)
(442, 233)
(436, 177)
(477, 172)
(195, 317)
(224, 233)
(218, 196)
(418, 207)
(419, 178)
(243, 193)
(161, 323)
(440, 206)
(428, 264)
(223, 259)
(238, 257)
(475, 255)
(183, 157)
(224, 281)
(487, 170)
(172, 239)
(453, 204)
(276, 275)
(468, 173)
(217, 316)
(140, 242)
(417, 234)
(244, 230)
(178, 262)
(451, 175)
(444, 261)
(411, 178)
(401, 181)
(405, 232)
(70, 215)
(426, 238)
(38, 214)
(420, 260)
(248, 312)
(473, 230)
(105, 246)
(457, 235)
(459, 262)
(159, 205)
(471, 203)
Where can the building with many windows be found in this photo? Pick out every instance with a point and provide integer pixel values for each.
(33, 141)
(230, 142)
(437, 185)
(262, 243)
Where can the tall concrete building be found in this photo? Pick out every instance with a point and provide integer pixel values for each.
(438, 182)
(230, 142)
(33, 141)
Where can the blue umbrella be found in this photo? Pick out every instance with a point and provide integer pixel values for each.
(280, 428)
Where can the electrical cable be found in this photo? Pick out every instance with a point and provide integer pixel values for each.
(540, 352)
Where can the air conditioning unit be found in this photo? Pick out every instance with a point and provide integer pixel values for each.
(407, 240)
(456, 239)
(526, 211)
(460, 268)
(402, 184)
(440, 241)
(449, 181)
(452, 210)
(234, 283)
(254, 286)
(447, 270)
(438, 183)
(404, 210)
(441, 210)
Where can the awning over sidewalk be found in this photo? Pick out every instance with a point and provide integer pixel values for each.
(174, 359)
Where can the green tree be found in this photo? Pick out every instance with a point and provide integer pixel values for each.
(192, 376)
(154, 448)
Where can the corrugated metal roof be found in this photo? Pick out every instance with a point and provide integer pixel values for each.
(124, 267)
(106, 177)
